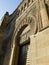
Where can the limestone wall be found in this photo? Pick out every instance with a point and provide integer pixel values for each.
(39, 48)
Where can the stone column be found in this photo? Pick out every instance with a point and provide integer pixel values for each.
(12, 52)
(43, 13)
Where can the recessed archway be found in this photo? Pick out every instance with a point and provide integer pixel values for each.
(18, 32)
(23, 48)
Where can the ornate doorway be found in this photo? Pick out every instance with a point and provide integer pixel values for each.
(23, 40)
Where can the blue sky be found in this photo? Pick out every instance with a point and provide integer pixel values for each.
(8, 5)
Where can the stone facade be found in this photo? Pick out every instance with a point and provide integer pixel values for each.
(26, 31)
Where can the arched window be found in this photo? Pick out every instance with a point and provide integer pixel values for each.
(28, 1)
(21, 9)
(25, 6)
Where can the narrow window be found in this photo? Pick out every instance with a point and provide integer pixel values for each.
(22, 9)
(25, 6)
(28, 1)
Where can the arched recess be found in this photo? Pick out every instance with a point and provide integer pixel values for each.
(29, 21)
(18, 38)
(19, 48)
(33, 24)
(23, 48)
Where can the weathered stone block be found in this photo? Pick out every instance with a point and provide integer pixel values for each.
(39, 48)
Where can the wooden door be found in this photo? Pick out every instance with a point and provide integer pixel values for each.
(23, 54)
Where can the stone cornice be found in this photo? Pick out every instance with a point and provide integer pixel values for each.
(22, 16)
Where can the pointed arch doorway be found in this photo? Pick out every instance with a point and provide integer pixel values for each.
(24, 42)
